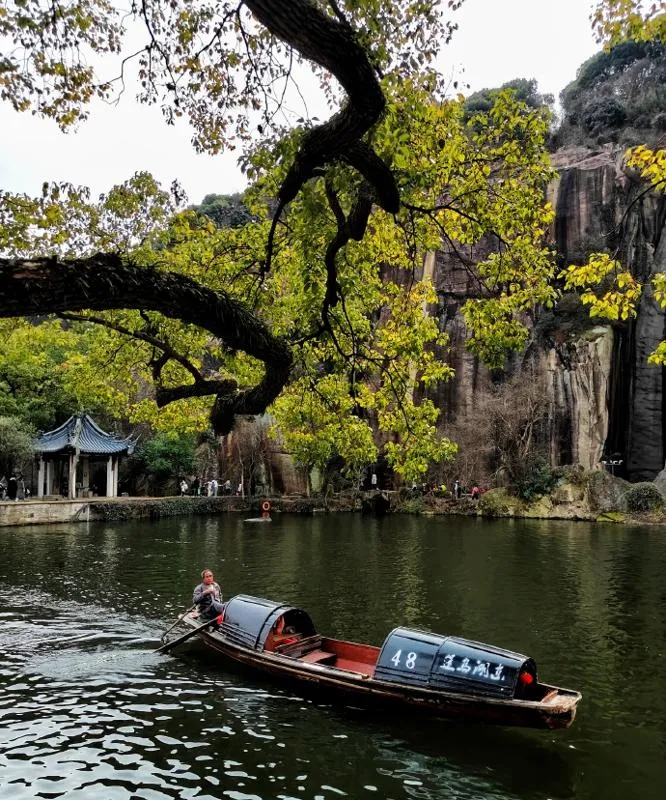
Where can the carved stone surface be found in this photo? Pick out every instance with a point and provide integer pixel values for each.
(578, 375)
(604, 398)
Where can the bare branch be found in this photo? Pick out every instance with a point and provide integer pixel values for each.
(142, 336)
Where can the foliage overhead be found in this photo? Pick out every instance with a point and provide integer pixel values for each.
(327, 298)
(224, 66)
(617, 21)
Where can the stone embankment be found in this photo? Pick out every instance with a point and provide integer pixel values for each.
(593, 496)
(115, 509)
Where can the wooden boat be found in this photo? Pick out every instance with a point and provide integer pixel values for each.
(413, 669)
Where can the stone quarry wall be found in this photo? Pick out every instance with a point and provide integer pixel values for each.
(604, 398)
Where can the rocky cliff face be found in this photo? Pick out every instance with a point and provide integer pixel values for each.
(603, 397)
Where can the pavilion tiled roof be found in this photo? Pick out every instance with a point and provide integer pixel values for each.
(83, 433)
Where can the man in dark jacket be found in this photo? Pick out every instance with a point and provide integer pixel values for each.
(208, 596)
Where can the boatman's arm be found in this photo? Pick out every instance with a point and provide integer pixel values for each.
(199, 593)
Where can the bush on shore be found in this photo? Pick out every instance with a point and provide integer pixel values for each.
(644, 497)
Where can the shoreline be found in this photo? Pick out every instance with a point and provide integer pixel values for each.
(49, 511)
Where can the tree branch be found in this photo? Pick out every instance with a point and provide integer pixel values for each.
(142, 336)
(332, 44)
(103, 282)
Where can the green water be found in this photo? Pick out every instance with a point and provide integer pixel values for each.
(87, 711)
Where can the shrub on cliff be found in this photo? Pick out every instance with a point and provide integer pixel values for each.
(644, 497)
(617, 93)
(602, 115)
(495, 503)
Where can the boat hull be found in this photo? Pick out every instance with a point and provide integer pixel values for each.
(556, 710)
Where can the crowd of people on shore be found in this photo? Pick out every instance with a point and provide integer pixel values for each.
(457, 492)
(211, 488)
(13, 488)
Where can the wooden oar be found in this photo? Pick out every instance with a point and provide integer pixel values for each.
(165, 647)
(180, 619)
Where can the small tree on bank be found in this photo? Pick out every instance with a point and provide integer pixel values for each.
(16, 446)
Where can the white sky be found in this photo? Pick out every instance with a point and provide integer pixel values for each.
(497, 40)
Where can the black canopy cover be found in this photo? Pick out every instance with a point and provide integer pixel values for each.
(248, 620)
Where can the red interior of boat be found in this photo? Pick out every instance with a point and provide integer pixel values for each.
(315, 649)
(352, 656)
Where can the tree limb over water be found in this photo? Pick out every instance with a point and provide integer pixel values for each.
(103, 282)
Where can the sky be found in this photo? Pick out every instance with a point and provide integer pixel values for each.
(497, 40)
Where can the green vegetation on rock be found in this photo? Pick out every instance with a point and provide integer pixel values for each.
(618, 95)
(644, 497)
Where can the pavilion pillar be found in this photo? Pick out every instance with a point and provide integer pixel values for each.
(109, 477)
(49, 476)
(40, 478)
(85, 474)
(71, 485)
(116, 465)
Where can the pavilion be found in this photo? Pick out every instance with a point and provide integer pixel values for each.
(69, 451)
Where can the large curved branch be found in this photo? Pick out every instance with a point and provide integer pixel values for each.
(104, 282)
(201, 388)
(332, 44)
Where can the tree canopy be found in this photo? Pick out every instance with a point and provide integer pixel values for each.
(224, 66)
(226, 211)
(323, 291)
(525, 90)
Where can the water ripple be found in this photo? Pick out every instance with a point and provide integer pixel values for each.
(88, 712)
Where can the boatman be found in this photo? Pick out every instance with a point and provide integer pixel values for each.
(208, 596)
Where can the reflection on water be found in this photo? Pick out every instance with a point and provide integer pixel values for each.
(87, 710)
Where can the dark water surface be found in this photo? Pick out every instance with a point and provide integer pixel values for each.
(87, 711)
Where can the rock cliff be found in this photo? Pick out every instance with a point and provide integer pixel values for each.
(603, 397)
